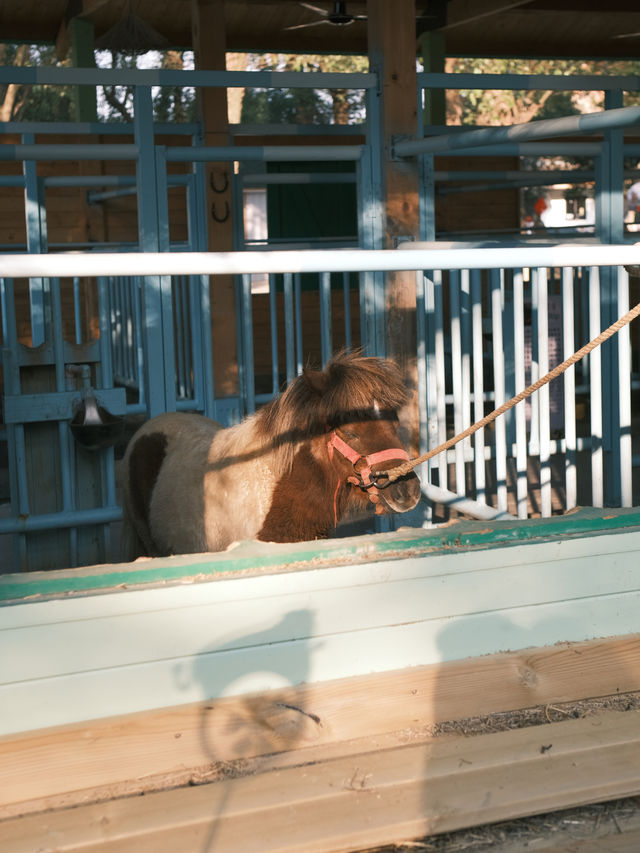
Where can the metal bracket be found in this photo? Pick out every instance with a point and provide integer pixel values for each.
(395, 138)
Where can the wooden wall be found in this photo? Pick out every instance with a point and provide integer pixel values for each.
(477, 212)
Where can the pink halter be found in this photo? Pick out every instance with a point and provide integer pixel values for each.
(363, 477)
(364, 474)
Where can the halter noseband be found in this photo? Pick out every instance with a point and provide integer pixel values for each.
(363, 476)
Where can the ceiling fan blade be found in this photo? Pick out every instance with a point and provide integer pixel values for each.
(306, 26)
(313, 8)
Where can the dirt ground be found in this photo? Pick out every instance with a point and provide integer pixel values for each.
(562, 830)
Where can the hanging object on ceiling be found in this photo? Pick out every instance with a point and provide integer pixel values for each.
(338, 16)
(627, 36)
(131, 36)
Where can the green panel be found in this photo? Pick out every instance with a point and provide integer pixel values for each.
(313, 211)
(258, 556)
(308, 211)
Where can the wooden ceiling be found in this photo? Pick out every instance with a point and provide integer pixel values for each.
(509, 28)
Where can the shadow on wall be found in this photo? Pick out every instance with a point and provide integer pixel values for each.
(276, 658)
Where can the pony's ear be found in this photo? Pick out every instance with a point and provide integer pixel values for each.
(316, 380)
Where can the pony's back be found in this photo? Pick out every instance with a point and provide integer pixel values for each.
(187, 435)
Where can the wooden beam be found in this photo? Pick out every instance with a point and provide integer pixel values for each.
(346, 804)
(461, 12)
(139, 753)
(392, 53)
(209, 45)
(76, 11)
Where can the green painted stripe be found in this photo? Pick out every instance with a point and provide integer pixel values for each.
(260, 556)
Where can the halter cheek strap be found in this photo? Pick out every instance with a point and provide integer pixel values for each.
(363, 476)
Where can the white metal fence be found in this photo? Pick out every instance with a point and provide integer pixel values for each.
(489, 321)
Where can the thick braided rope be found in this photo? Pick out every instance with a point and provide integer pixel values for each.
(406, 467)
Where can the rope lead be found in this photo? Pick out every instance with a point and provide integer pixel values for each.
(407, 467)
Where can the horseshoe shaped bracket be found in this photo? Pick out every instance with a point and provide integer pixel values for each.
(224, 216)
(225, 183)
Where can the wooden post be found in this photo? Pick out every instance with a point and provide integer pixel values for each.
(209, 43)
(392, 53)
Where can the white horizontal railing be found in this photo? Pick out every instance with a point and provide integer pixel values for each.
(321, 260)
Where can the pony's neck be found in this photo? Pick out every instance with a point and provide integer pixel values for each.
(302, 505)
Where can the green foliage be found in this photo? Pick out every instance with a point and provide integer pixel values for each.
(48, 103)
(34, 103)
(304, 106)
(170, 103)
(497, 106)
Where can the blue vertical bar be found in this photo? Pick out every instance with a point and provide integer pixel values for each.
(520, 419)
(107, 456)
(297, 292)
(273, 325)
(180, 317)
(423, 412)
(18, 487)
(497, 308)
(77, 312)
(166, 284)
(436, 378)
(612, 231)
(64, 440)
(289, 327)
(427, 196)
(457, 375)
(36, 228)
(198, 242)
(246, 315)
(346, 289)
(372, 284)
(478, 383)
(149, 241)
(325, 317)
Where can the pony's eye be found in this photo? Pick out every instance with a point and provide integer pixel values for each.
(350, 434)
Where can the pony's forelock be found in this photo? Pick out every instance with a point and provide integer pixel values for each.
(315, 401)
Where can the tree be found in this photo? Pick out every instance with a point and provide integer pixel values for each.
(480, 107)
(170, 103)
(304, 106)
(33, 103)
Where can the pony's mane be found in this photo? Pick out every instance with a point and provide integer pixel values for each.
(318, 400)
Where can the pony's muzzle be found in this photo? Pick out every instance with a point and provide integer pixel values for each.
(402, 494)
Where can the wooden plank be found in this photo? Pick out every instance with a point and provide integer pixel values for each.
(373, 798)
(142, 752)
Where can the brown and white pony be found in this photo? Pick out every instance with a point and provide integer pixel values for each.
(312, 456)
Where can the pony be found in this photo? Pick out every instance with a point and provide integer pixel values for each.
(314, 455)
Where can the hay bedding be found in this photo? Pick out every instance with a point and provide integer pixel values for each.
(539, 832)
